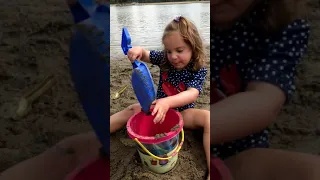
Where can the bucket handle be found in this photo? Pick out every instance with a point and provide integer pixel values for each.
(161, 158)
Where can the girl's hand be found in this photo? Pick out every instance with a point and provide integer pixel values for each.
(161, 108)
(135, 53)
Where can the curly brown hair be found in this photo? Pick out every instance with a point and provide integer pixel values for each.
(191, 37)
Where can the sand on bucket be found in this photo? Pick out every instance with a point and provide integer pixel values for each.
(160, 135)
(157, 144)
(175, 128)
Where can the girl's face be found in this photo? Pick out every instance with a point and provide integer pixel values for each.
(178, 52)
(224, 12)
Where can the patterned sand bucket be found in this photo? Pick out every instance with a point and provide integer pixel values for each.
(157, 144)
(219, 170)
(95, 169)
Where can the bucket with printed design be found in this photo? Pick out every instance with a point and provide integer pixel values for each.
(157, 144)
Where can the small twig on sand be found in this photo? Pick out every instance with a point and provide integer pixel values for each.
(27, 100)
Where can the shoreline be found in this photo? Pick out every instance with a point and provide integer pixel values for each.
(116, 50)
(157, 3)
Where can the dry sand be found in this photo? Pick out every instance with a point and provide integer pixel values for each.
(34, 39)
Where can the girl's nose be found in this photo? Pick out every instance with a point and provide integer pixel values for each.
(174, 56)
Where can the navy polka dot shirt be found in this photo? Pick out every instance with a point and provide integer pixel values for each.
(186, 77)
(241, 54)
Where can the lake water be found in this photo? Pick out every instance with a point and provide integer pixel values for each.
(146, 23)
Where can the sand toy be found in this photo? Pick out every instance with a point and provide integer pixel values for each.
(89, 66)
(157, 144)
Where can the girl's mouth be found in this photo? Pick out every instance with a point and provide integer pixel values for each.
(175, 64)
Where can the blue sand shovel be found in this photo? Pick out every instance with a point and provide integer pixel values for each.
(89, 66)
(89, 5)
(142, 82)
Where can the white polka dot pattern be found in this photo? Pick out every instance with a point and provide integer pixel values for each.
(269, 59)
(192, 79)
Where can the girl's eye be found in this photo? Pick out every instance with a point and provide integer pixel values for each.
(169, 52)
(179, 51)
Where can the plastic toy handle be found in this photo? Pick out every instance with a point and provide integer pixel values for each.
(126, 45)
(160, 158)
(135, 63)
(126, 41)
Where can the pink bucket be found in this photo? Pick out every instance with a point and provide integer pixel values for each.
(158, 144)
(142, 127)
(219, 171)
(93, 170)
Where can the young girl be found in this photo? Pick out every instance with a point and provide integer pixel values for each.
(256, 46)
(181, 67)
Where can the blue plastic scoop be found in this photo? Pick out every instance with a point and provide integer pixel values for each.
(89, 66)
(142, 82)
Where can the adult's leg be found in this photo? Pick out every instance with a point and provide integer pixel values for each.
(58, 161)
(199, 118)
(119, 119)
(266, 164)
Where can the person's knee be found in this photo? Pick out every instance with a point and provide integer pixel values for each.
(68, 145)
(197, 118)
(66, 151)
(75, 144)
(134, 108)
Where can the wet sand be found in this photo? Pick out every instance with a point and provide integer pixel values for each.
(34, 40)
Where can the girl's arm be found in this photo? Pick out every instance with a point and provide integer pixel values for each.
(271, 82)
(145, 56)
(139, 53)
(245, 113)
(183, 98)
(194, 88)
